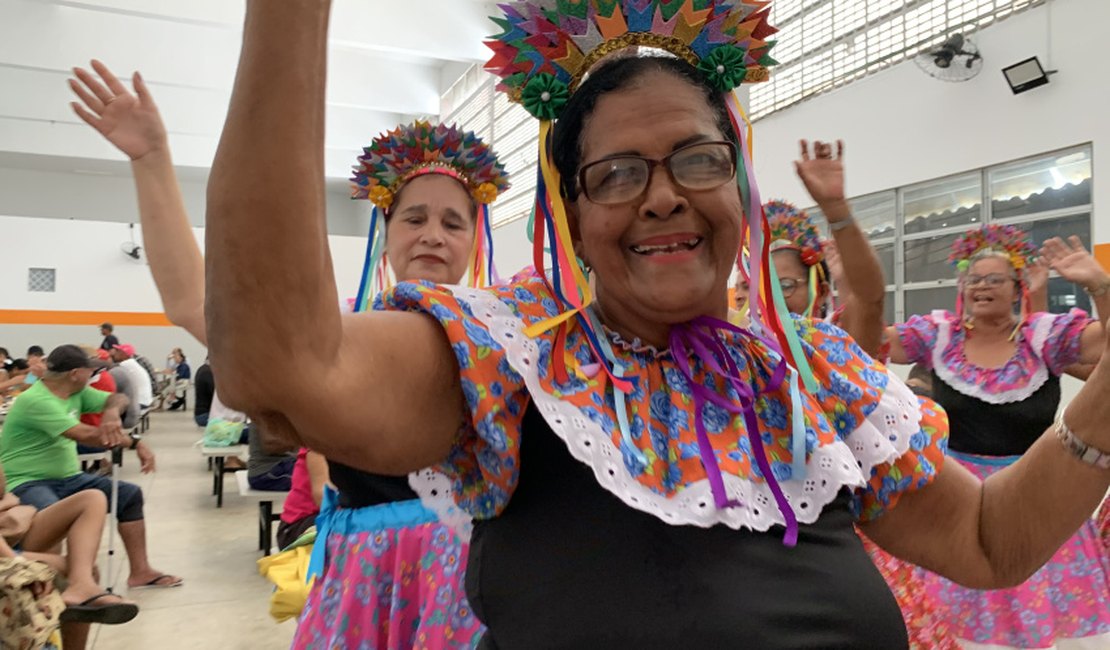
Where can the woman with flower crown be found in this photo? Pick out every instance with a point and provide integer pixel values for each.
(642, 474)
(996, 371)
(438, 181)
(388, 573)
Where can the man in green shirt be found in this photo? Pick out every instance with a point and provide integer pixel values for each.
(38, 449)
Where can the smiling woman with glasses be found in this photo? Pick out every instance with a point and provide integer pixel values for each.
(640, 473)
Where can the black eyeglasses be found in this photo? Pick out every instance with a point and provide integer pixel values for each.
(991, 280)
(619, 179)
(787, 285)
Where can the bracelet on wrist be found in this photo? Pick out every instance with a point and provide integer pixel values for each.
(1081, 450)
(841, 225)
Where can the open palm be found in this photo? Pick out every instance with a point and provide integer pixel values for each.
(1072, 261)
(129, 121)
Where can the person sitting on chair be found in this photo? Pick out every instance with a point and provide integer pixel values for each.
(38, 449)
(79, 521)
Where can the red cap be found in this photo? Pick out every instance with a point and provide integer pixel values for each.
(125, 348)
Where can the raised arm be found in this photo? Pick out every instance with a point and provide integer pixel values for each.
(379, 390)
(132, 123)
(1009, 525)
(1072, 261)
(823, 177)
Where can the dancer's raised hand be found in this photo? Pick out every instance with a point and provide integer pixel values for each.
(129, 121)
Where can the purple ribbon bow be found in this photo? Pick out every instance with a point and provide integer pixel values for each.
(701, 337)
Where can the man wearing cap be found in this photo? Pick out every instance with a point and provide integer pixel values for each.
(38, 449)
(124, 355)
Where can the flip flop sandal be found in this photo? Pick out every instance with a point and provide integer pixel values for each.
(107, 614)
(156, 584)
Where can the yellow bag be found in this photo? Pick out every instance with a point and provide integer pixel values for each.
(288, 571)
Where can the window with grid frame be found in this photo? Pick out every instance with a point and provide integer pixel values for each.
(913, 227)
(825, 44)
(475, 105)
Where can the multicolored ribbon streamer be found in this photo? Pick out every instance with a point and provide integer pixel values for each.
(373, 263)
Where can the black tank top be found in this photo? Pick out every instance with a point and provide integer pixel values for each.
(978, 427)
(568, 565)
(359, 489)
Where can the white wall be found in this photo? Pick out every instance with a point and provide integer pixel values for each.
(94, 275)
(901, 126)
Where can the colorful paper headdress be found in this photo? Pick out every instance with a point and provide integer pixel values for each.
(415, 150)
(1009, 240)
(543, 53)
(548, 46)
(792, 228)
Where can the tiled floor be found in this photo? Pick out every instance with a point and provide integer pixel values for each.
(224, 601)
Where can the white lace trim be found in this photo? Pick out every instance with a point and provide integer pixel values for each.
(438, 495)
(1041, 329)
(882, 437)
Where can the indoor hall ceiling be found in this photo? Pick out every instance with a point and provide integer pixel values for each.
(390, 60)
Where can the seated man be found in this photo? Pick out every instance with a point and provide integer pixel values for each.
(38, 450)
(124, 355)
(36, 360)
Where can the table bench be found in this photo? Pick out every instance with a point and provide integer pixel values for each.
(266, 513)
(217, 456)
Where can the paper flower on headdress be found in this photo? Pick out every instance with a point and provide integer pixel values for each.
(415, 150)
(547, 46)
(1009, 240)
(792, 228)
(396, 157)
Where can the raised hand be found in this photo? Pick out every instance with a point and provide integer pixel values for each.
(129, 121)
(1072, 261)
(823, 174)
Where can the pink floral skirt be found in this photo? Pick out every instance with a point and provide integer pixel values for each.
(1068, 598)
(393, 580)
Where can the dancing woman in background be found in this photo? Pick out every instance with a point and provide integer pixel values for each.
(996, 371)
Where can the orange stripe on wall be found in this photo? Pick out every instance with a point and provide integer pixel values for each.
(1102, 254)
(49, 317)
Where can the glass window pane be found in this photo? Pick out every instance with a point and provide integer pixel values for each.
(944, 203)
(1064, 227)
(1064, 296)
(888, 308)
(923, 301)
(1051, 182)
(927, 259)
(886, 261)
(876, 214)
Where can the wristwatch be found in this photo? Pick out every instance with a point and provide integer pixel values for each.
(135, 440)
